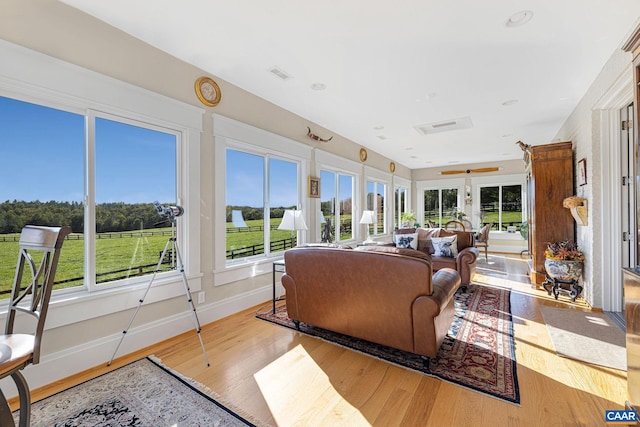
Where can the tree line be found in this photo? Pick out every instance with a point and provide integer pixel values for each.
(110, 217)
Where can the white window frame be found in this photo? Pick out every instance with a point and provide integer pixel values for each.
(33, 77)
(399, 182)
(336, 207)
(230, 133)
(499, 181)
(438, 184)
(379, 177)
(331, 163)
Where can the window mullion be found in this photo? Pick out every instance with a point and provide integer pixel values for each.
(90, 202)
(266, 216)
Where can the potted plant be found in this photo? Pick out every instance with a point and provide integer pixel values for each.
(408, 219)
(564, 261)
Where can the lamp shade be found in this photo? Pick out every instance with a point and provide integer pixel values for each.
(237, 218)
(368, 217)
(292, 220)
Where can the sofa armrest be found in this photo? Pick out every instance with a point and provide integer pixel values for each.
(434, 314)
(466, 256)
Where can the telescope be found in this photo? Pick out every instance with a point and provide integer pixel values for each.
(171, 212)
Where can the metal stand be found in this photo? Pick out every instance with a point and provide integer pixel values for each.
(173, 245)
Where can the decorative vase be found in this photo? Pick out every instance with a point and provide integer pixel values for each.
(563, 269)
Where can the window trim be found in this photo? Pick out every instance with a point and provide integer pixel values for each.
(380, 177)
(31, 76)
(437, 184)
(230, 133)
(339, 165)
(399, 182)
(504, 180)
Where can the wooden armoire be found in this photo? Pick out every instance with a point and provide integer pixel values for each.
(549, 181)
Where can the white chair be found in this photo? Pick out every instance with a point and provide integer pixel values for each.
(39, 252)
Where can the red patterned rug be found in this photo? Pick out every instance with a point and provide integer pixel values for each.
(478, 352)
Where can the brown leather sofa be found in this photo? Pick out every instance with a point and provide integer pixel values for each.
(464, 263)
(385, 295)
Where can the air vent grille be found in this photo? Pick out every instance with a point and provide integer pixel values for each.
(445, 126)
(278, 72)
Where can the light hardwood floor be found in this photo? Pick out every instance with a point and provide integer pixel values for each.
(283, 378)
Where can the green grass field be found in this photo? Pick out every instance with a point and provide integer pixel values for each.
(120, 253)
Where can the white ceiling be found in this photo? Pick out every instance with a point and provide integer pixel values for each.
(389, 67)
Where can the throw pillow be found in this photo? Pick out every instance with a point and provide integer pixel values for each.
(407, 241)
(445, 246)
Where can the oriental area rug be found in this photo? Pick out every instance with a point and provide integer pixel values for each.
(478, 352)
(142, 393)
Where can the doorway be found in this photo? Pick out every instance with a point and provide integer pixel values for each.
(627, 196)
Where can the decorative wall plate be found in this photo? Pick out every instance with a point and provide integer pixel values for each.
(392, 167)
(363, 155)
(208, 91)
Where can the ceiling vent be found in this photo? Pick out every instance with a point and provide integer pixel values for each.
(278, 72)
(445, 126)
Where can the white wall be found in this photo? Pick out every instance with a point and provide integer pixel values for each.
(594, 128)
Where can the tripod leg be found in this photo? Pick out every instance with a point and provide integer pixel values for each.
(196, 322)
(164, 253)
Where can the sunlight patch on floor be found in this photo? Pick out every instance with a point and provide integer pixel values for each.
(296, 377)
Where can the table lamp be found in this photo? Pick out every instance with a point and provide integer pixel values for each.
(294, 221)
(368, 217)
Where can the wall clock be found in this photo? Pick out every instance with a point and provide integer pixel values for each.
(363, 155)
(208, 91)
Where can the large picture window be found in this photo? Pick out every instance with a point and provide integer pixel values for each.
(135, 166)
(43, 183)
(54, 183)
(376, 201)
(336, 206)
(440, 206)
(501, 205)
(255, 210)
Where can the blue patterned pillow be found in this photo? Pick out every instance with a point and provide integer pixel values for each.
(407, 241)
(445, 246)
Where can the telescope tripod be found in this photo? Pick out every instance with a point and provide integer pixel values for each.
(172, 245)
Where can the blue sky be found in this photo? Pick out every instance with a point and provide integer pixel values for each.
(245, 180)
(42, 151)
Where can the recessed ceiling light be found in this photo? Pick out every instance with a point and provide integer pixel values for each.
(378, 127)
(318, 86)
(414, 157)
(507, 135)
(510, 102)
(519, 18)
(382, 137)
(409, 148)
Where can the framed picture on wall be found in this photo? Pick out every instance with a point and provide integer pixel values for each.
(582, 172)
(314, 187)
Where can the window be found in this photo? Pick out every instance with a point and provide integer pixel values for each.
(376, 198)
(502, 206)
(401, 200)
(253, 214)
(336, 206)
(401, 203)
(440, 205)
(43, 183)
(133, 165)
(258, 175)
